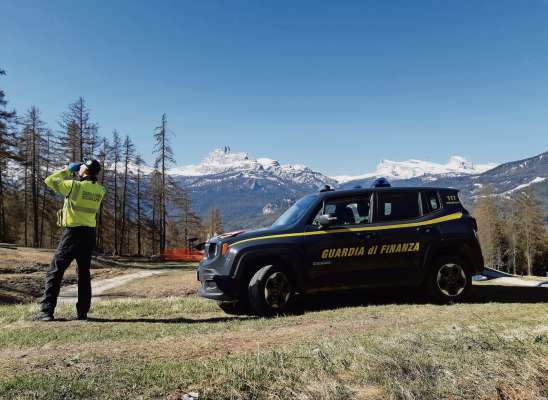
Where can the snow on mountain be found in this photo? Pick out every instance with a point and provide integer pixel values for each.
(398, 170)
(538, 179)
(225, 163)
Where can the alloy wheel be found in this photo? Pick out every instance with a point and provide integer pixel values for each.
(277, 290)
(451, 279)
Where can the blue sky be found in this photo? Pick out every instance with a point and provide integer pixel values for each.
(335, 85)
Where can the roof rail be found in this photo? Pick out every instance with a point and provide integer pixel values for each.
(381, 182)
(326, 188)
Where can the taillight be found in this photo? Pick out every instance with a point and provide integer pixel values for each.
(474, 224)
(474, 227)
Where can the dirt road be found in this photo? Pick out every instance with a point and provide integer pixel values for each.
(69, 294)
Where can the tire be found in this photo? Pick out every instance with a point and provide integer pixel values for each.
(234, 307)
(449, 279)
(270, 291)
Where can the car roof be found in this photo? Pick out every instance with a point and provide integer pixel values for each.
(358, 191)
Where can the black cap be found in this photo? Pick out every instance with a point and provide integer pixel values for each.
(92, 166)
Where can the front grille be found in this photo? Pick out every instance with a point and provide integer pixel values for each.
(211, 250)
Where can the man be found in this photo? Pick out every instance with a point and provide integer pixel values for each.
(82, 201)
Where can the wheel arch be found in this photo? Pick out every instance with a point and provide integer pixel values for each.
(251, 260)
(453, 248)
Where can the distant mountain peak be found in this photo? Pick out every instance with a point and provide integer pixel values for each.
(223, 162)
(397, 170)
(223, 159)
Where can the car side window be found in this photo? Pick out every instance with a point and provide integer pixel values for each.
(430, 201)
(396, 206)
(352, 211)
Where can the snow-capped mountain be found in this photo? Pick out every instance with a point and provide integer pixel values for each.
(247, 191)
(224, 164)
(252, 192)
(397, 170)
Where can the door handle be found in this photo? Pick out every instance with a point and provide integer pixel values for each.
(367, 235)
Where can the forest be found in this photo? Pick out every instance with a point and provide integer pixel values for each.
(144, 211)
(512, 231)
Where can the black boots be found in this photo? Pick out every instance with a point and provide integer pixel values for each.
(43, 316)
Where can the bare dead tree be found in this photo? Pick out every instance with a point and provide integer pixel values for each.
(164, 158)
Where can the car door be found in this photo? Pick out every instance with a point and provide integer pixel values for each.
(335, 252)
(400, 244)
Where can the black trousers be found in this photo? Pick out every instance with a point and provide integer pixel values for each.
(76, 244)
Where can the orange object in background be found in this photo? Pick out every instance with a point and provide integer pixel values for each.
(180, 254)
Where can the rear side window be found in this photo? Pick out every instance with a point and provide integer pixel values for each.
(430, 201)
(395, 206)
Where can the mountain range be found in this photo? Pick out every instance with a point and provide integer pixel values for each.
(253, 192)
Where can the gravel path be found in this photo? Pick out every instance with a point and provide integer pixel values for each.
(69, 294)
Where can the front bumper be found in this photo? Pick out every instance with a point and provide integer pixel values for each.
(216, 287)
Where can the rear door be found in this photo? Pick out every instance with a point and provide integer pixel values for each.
(399, 246)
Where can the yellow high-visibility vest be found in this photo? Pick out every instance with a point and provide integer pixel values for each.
(82, 199)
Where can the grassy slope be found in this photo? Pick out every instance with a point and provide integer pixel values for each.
(165, 347)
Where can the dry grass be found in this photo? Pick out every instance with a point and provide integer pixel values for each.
(171, 284)
(341, 348)
(166, 347)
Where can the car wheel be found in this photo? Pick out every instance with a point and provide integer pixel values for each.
(449, 280)
(270, 291)
(234, 307)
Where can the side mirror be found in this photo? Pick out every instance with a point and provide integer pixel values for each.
(327, 220)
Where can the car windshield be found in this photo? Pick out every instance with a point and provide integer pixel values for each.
(296, 211)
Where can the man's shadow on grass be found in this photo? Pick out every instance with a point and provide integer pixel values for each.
(478, 294)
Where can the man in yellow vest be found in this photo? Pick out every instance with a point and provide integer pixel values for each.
(82, 201)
